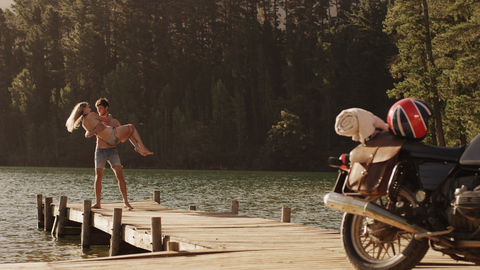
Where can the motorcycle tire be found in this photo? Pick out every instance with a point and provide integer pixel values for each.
(370, 244)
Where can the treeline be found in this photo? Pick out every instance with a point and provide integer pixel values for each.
(253, 84)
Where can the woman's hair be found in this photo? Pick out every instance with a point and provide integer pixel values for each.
(76, 116)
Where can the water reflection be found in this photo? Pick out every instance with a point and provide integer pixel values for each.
(261, 194)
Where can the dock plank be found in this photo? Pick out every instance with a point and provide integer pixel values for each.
(219, 241)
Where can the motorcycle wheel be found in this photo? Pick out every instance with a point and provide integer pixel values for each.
(370, 244)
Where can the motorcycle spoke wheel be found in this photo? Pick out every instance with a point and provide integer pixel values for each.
(371, 244)
(373, 250)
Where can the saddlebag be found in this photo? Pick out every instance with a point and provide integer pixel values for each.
(372, 165)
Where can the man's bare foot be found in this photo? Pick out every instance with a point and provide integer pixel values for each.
(97, 205)
(127, 205)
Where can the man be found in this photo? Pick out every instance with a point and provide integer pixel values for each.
(105, 152)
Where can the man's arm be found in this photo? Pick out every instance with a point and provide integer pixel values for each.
(98, 128)
(114, 123)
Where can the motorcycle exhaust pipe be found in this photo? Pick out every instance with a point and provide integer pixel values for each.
(355, 206)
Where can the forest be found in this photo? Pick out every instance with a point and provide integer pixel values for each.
(231, 84)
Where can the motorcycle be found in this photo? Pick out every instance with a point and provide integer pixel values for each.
(402, 197)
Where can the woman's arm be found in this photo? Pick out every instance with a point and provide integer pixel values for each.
(103, 119)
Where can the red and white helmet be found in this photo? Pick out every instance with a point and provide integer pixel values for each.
(409, 118)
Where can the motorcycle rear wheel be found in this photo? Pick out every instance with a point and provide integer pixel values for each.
(370, 244)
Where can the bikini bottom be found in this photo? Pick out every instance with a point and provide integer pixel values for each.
(113, 138)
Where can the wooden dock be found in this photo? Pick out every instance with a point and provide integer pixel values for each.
(206, 240)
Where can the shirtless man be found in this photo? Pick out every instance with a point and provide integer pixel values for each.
(105, 152)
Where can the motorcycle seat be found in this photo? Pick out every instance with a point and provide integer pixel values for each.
(418, 150)
(471, 157)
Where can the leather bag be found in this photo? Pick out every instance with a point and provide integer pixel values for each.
(372, 165)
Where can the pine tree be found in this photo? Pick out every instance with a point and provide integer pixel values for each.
(458, 50)
(416, 65)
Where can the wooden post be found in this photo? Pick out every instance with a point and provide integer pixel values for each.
(62, 216)
(40, 216)
(173, 246)
(192, 208)
(234, 207)
(48, 214)
(156, 196)
(156, 234)
(116, 232)
(286, 213)
(166, 240)
(87, 223)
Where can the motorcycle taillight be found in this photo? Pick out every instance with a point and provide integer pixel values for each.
(345, 158)
(339, 162)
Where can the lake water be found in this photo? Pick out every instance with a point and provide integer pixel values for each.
(260, 194)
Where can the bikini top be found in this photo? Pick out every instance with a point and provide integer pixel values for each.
(99, 122)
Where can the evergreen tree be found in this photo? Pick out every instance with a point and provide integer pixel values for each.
(458, 50)
(221, 114)
(288, 145)
(11, 58)
(88, 42)
(415, 65)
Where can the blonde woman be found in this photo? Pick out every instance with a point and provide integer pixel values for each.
(92, 123)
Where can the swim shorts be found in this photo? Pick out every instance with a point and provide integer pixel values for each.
(102, 155)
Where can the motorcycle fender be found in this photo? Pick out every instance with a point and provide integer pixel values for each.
(342, 176)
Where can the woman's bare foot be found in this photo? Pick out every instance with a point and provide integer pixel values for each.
(127, 205)
(97, 205)
(143, 152)
(148, 152)
(140, 151)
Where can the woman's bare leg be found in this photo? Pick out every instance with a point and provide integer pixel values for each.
(130, 132)
(137, 147)
(130, 138)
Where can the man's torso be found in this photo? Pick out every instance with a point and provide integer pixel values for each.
(103, 144)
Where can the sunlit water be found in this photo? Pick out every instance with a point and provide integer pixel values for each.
(260, 194)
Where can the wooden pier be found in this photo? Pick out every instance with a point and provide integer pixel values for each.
(189, 239)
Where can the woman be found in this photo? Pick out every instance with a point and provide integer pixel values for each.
(91, 121)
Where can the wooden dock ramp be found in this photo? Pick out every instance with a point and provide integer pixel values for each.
(207, 240)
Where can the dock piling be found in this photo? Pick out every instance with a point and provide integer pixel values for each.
(286, 214)
(166, 240)
(173, 246)
(234, 207)
(48, 218)
(116, 232)
(62, 216)
(40, 216)
(156, 196)
(87, 223)
(156, 234)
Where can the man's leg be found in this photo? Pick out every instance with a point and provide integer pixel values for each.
(117, 169)
(98, 187)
